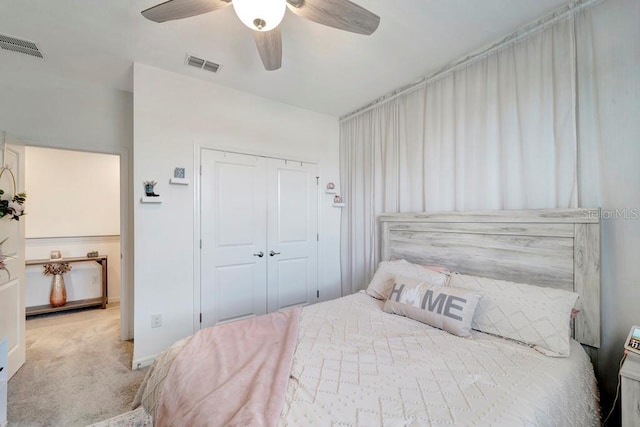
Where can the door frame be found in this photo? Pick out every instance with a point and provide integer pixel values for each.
(126, 221)
(197, 158)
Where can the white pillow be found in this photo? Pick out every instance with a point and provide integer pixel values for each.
(531, 314)
(382, 282)
(442, 307)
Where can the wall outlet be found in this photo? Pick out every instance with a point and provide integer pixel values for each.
(156, 320)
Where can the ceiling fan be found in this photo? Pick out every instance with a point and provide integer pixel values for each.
(264, 17)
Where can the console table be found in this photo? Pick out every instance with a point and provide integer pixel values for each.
(70, 305)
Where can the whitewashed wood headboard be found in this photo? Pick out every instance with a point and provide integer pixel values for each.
(557, 248)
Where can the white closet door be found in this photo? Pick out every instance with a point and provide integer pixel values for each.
(233, 228)
(292, 234)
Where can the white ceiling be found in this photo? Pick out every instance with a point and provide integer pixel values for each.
(324, 70)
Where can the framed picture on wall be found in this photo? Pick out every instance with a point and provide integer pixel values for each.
(56, 256)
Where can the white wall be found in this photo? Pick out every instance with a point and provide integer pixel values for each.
(71, 193)
(616, 80)
(60, 114)
(173, 115)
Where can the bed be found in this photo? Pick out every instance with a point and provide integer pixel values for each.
(356, 365)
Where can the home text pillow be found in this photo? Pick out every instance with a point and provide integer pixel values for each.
(382, 281)
(443, 307)
(531, 314)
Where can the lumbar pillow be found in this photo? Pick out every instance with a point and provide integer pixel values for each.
(534, 315)
(382, 282)
(442, 307)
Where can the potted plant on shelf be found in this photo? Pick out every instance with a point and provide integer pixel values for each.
(58, 295)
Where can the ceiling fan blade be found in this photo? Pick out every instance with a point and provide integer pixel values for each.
(340, 14)
(178, 9)
(269, 45)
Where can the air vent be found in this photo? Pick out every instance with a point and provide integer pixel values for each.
(20, 46)
(203, 64)
(211, 66)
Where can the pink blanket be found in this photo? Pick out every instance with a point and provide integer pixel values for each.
(231, 375)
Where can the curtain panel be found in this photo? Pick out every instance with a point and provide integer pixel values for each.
(498, 132)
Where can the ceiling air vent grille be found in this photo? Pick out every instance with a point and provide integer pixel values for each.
(203, 64)
(20, 46)
(211, 66)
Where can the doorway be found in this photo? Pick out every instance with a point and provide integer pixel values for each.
(74, 213)
(16, 340)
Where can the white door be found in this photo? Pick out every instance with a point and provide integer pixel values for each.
(12, 289)
(292, 234)
(233, 230)
(259, 230)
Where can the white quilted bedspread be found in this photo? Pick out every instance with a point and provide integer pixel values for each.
(358, 366)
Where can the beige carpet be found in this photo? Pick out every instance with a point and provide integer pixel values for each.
(77, 371)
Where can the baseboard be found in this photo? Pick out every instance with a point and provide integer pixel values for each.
(141, 363)
(112, 300)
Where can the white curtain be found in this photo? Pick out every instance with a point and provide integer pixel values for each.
(498, 132)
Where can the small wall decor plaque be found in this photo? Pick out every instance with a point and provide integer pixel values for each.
(92, 254)
(149, 188)
(330, 188)
(179, 177)
(55, 256)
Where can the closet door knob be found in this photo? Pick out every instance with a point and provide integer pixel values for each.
(273, 253)
(259, 254)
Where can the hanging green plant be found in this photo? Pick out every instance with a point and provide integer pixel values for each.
(13, 208)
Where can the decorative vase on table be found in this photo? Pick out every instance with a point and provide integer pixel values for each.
(58, 295)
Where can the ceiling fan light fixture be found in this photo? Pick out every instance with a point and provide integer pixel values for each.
(260, 15)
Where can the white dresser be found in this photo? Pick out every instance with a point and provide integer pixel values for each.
(630, 377)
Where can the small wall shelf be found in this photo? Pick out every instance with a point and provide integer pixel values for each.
(179, 181)
(338, 205)
(333, 191)
(147, 199)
